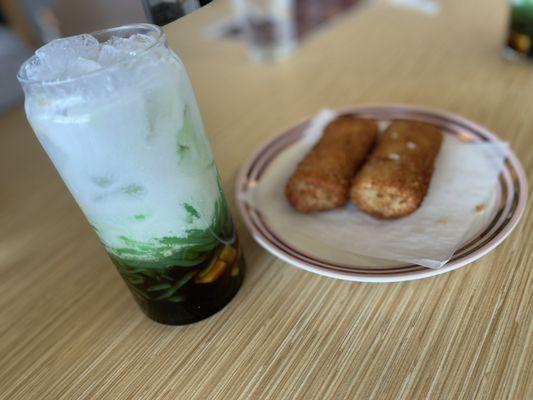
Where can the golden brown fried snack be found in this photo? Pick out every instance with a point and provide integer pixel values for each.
(322, 179)
(395, 180)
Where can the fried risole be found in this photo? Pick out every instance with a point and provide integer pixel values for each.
(395, 180)
(322, 179)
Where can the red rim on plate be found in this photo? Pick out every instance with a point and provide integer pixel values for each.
(510, 203)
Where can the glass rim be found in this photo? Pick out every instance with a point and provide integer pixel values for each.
(21, 74)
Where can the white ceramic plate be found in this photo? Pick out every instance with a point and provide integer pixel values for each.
(507, 205)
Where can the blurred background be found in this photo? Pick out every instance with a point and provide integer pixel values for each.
(270, 29)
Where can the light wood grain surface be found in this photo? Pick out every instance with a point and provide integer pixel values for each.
(69, 328)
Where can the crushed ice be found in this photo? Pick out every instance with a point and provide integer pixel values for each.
(70, 57)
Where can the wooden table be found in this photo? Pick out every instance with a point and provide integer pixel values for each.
(70, 329)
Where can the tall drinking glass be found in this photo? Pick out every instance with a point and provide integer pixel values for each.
(116, 114)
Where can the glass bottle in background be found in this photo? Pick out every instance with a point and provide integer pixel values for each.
(268, 26)
(117, 116)
(520, 36)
